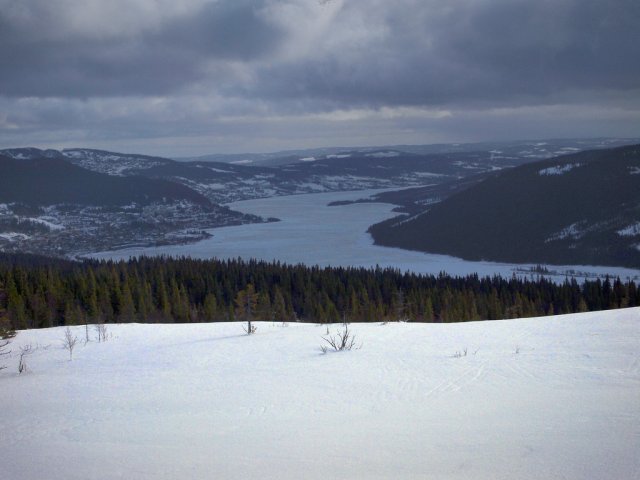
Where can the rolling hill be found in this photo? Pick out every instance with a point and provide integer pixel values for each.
(582, 208)
(45, 180)
(228, 178)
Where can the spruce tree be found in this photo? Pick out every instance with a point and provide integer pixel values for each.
(210, 308)
(246, 302)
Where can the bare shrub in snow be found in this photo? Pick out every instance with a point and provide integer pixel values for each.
(342, 340)
(4, 350)
(249, 329)
(101, 330)
(517, 349)
(69, 342)
(461, 353)
(22, 364)
(6, 334)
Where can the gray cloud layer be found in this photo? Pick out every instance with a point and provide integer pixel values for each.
(198, 68)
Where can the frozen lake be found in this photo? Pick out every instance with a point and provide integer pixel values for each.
(313, 233)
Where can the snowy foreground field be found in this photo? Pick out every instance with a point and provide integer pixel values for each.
(542, 398)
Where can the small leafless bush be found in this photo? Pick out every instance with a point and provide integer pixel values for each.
(101, 330)
(69, 342)
(460, 353)
(22, 364)
(6, 334)
(4, 351)
(250, 329)
(342, 340)
(517, 349)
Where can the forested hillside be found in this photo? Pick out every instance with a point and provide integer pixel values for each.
(53, 180)
(39, 292)
(579, 209)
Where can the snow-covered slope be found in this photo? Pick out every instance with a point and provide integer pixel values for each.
(554, 397)
(112, 163)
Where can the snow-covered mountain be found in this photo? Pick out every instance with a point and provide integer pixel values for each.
(112, 163)
(552, 397)
(29, 153)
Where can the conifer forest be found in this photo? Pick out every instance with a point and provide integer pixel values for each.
(39, 292)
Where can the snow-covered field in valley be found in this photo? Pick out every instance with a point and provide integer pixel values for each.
(542, 398)
(313, 233)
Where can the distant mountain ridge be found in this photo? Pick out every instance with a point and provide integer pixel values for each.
(250, 176)
(48, 178)
(537, 149)
(227, 182)
(582, 208)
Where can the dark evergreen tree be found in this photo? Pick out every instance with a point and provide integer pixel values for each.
(246, 302)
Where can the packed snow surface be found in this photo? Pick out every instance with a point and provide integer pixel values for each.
(542, 398)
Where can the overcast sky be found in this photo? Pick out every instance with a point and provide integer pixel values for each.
(190, 77)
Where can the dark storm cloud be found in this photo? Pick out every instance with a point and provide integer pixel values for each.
(433, 52)
(40, 59)
(231, 30)
(518, 52)
(124, 69)
(551, 44)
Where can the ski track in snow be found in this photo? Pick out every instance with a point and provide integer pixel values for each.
(554, 397)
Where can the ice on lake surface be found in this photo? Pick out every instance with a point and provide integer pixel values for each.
(314, 233)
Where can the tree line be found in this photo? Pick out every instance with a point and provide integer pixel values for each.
(37, 292)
